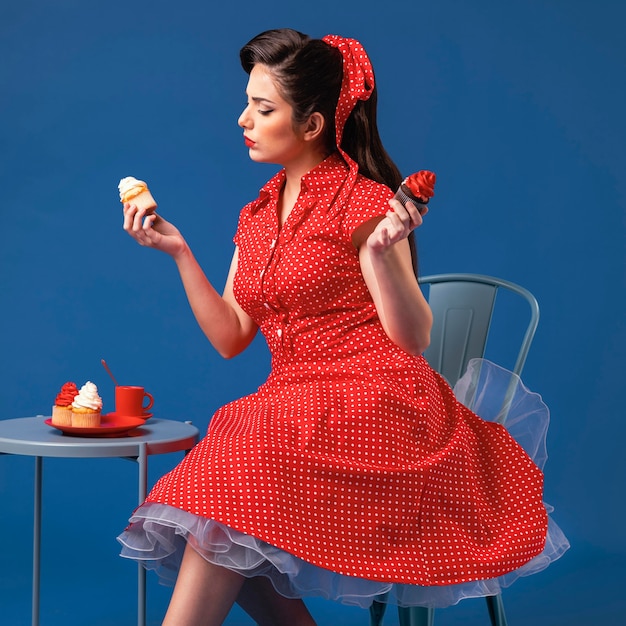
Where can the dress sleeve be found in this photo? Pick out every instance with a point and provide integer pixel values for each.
(244, 218)
(240, 227)
(367, 201)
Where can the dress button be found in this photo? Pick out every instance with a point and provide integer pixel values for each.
(279, 332)
(266, 305)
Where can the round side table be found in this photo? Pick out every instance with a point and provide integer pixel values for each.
(30, 436)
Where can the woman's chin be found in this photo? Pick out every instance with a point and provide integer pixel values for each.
(257, 157)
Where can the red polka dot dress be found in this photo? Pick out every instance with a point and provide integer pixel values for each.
(353, 470)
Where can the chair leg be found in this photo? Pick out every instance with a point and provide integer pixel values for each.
(377, 611)
(416, 616)
(496, 610)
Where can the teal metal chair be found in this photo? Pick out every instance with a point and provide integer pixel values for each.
(463, 306)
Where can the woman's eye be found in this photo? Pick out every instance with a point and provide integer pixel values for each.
(265, 111)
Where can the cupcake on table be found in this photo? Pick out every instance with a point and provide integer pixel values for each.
(62, 407)
(87, 407)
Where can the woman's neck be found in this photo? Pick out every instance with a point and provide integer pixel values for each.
(293, 177)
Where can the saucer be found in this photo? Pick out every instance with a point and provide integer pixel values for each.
(111, 425)
(143, 416)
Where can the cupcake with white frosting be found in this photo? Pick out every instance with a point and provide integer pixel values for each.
(87, 407)
(136, 191)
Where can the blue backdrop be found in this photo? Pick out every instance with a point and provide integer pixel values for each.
(517, 106)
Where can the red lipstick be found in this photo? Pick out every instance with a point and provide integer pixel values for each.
(249, 142)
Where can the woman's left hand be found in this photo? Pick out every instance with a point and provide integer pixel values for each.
(396, 225)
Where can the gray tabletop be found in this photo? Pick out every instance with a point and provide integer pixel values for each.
(30, 436)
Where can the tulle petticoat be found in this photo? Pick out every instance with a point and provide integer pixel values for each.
(158, 533)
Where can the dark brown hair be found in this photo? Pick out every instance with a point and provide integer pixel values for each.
(308, 73)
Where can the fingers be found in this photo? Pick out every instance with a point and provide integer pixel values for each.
(135, 219)
(407, 215)
(138, 225)
(379, 239)
(398, 223)
(150, 221)
(416, 214)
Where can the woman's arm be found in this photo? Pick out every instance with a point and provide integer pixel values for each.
(229, 329)
(388, 271)
(226, 325)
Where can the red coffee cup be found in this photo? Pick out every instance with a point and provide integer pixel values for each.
(130, 401)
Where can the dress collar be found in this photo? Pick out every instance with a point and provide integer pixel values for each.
(323, 181)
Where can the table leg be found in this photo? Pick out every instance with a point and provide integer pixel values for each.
(142, 459)
(37, 540)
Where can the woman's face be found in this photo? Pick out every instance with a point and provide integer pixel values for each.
(267, 123)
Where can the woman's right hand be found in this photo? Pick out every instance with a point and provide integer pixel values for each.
(153, 231)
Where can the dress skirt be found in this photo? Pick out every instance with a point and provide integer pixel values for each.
(159, 530)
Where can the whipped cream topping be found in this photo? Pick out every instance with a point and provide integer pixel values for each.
(88, 397)
(130, 187)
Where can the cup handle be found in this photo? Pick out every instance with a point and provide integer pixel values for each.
(150, 400)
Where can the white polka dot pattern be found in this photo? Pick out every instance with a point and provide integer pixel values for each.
(353, 455)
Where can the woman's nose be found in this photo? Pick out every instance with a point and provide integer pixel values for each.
(243, 118)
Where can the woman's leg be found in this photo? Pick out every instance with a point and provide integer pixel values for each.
(204, 593)
(267, 607)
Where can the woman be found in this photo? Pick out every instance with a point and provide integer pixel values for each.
(353, 471)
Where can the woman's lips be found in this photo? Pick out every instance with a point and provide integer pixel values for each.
(249, 142)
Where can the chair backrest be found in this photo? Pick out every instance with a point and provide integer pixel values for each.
(463, 307)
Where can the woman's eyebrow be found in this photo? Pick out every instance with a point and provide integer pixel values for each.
(258, 100)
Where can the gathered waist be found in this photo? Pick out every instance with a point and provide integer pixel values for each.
(339, 346)
(402, 371)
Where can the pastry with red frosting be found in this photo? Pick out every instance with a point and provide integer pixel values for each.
(419, 188)
(62, 408)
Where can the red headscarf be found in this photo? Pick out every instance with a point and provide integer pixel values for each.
(357, 83)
